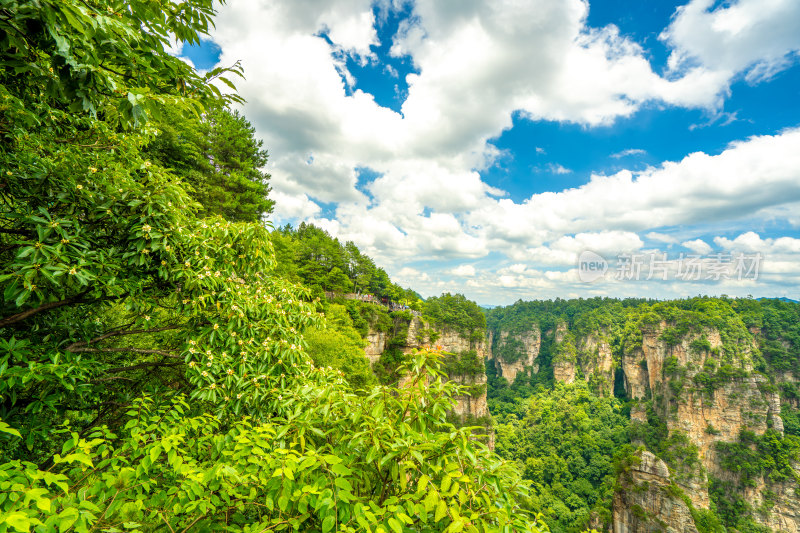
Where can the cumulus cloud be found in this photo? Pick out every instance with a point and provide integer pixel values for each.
(555, 168)
(755, 37)
(477, 65)
(463, 271)
(747, 177)
(628, 152)
(412, 275)
(565, 250)
(660, 237)
(698, 246)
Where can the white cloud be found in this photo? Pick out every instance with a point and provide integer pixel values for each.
(478, 63)
(752, 242)
(565, 250)
(779, 257)
(660, 237)
(555, 168)
(745, 178)
(412, 274)
(757, 37)
(295, 206)
(463, 271)
(698, 246)
(628, 152)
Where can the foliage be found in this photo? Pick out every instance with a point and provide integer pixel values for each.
(566, 439)
(778, 325)
(509, 350)
(104, 60)
(455, 312)
(368, 316)
(310, 255)
(194, 471)
(733, 511)
(771, 455)
(339, 346)
(220, 159)
(464, 364)
(565, 350)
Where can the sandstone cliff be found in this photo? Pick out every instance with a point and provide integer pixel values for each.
(703, 387)
(590, 357)
(647, 501)
(470, 407)
(376, 344)
(514, 353)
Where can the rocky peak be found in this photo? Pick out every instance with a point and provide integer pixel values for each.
(647, 501)
(513, 353)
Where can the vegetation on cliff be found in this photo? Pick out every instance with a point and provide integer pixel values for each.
(309, 255)
(566, 441)
(755, 348)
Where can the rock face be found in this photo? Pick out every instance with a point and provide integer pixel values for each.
(701, 387)
(712, 413)
(589, 357)
(376, 345)
(419, 334)
(647, 503)
(469, 407)
(514, 353)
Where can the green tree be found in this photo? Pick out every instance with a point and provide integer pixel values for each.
(567, 438)
(456, 312)
(218, 155)
(104, 60)
(337, 344)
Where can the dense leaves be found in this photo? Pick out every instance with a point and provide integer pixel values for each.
(566, 440)
(311, 256)
(456, 312)
(103, 58)
(219, 158)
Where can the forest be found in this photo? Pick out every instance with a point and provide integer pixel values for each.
(575, 440)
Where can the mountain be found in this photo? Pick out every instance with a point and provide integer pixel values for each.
(709, 391)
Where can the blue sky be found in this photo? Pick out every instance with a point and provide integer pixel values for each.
(481, 147)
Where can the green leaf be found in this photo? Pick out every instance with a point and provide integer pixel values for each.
(430, 500)
(155, 451)
(67, 517)
(441, 511)
(422, 484)
(283, 503)
(396, 526)
(18, 521)
(456, 526)
(342, 483)
(328, 524)
(5, 428)
(341, 470)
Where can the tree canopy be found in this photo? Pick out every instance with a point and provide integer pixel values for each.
(217, 155)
